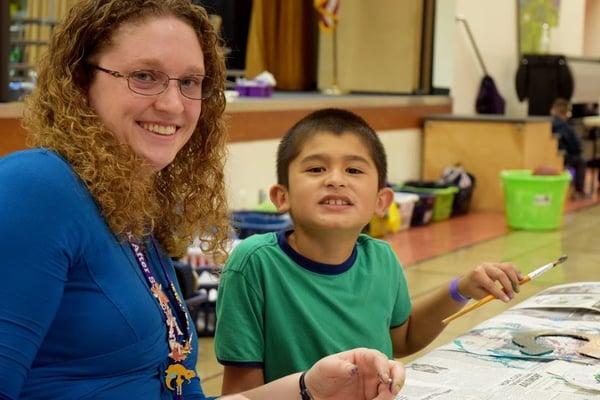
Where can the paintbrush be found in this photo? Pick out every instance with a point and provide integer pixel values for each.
(532, 275)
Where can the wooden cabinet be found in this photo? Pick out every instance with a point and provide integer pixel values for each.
(12, 134)
(486, 145)
(378, 47)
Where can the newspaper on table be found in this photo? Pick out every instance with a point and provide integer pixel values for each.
(584, 376)
(573, 296)
(554, 309)
(485, 364)
(444, 375)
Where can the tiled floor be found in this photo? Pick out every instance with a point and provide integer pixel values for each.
(432, 255)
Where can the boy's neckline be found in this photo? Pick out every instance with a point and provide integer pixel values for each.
(311, 265)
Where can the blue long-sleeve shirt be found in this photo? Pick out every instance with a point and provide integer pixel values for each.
(567, 138)
(77, 319)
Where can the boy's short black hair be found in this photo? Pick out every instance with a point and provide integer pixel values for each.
(337, 122)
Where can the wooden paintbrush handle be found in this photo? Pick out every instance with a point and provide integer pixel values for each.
(468, 308)
(524, 280)
(478, 304)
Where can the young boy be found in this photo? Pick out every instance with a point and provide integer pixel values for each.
(287, 299)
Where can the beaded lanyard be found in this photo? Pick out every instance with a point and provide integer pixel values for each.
(179, 352)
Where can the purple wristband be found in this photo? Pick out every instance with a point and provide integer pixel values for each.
(454, 292)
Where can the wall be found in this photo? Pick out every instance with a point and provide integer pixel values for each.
(494, 26)
(567, 38)
(251, 165)
(444, 44)
(591, 44)
(497, 41)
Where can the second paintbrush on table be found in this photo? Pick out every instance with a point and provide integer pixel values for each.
(532, 275)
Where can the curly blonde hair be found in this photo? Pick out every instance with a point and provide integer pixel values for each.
(184, 200)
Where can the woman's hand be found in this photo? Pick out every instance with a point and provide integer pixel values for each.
(481, 281)
(358, 374)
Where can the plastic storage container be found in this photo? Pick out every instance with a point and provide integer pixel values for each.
(423, 208)
(534, 202)
(248, 223)
(444, 197)
(462, 199)
(390, 223)
(464, 182)
(406, 204)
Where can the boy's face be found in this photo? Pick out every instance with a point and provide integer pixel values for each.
(562, 112)
(333, 185)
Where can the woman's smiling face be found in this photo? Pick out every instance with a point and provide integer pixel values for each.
(155, 127)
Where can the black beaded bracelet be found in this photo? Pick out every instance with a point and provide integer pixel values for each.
(304, 393)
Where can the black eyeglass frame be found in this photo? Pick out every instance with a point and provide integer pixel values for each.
(118, 74)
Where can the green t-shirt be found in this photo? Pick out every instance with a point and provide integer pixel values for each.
(281, 311)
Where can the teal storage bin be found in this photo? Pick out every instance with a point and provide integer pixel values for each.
(534, 202)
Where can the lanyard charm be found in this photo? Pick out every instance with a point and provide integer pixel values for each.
(178, 373)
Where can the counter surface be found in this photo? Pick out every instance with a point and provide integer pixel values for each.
(486, 118)
(251, 119)
(11, 110)
(295, 101)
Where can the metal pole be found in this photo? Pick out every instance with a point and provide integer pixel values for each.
(335, 69)
(472, 39)
(335, 89)
(4, 50)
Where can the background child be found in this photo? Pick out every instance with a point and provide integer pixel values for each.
(569, 142)
(325, 287)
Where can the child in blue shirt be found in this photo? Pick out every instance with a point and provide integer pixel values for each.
(287, 299)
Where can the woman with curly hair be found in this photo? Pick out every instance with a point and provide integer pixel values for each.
(127, 125)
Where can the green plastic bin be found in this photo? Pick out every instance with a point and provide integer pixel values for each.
(444, 198)
(534, 202)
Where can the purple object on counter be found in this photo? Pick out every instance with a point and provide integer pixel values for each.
(254, 89)
(242, 90)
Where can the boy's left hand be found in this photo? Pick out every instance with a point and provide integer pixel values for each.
(481, 281)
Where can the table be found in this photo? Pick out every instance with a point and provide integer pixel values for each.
(485, 363)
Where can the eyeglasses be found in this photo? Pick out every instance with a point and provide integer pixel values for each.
(151, 83)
